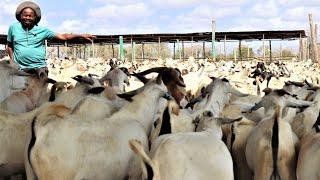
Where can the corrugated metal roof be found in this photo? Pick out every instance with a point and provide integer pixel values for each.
(196, 37)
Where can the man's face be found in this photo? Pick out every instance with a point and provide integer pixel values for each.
(28, 17)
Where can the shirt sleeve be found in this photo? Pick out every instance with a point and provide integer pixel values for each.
(10, 37)
(50, 34)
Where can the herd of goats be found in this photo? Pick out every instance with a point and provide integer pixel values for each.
(161, 120)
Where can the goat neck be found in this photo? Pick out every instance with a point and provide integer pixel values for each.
(143, 107)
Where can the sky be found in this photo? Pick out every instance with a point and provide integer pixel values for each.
(167, 16)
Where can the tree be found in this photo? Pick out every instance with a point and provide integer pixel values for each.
(244, 52)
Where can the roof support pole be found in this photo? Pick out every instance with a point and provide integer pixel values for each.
(224, 47)
(263, 48)
(270, 48)
(112, 46)
(174, 50)
(280, 50)
(183, 50)
(192, 46)
(179, 50)
(142, 51)
(240, 52)
(235, 55)
(84, 51)
(213, 47)
(92, 45)
(204, 49)
(58, 52)
(122, 56)
(248, 52)
(300, 48)
(159, 48)
(133, 50)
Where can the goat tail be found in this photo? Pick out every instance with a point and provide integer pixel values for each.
(29, 168)
(275, 141)
(146, 163)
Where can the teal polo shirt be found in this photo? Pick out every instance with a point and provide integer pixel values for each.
(29, 45)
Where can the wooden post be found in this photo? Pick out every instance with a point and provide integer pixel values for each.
(270, 47)
(142, 51)
(213, 48)
(159, 48)
(240, 53)
(224, 48)
(204, 50)
(263, 48)
(314, 48)
(174, 50)
(235, 55)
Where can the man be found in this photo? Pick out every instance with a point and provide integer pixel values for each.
(26, 39)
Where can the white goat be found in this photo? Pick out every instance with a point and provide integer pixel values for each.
(193, 155)
(95, 149)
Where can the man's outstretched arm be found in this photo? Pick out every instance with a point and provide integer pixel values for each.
(65, 37)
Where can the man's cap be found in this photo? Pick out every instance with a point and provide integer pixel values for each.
(33, 6)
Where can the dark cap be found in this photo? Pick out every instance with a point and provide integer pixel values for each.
(33, 6)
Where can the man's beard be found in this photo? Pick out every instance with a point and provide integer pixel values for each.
(27, 23)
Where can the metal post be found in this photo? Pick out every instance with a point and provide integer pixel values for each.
(92, 44)
(58, 52)
(174, 50)
(182, 50)
(192, 46)
(213, 48)
(121, 48)
(300, 48)
(248, 52)
(224, 48)
(270, 50)
(143, 51)
(84, 52)
(263, 49)
(240, 53)
(204, 50)
(112, 50)
(159, 48)
(280, 50)
(179, 50)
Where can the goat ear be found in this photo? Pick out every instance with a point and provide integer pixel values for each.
(125, 96)
(125, 70)
(282, 92)
(82, 79)
(267, 91)
(51, 81)
(224, 80)
(95, 90)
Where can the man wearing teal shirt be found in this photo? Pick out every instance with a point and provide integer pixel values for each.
(26, 40)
